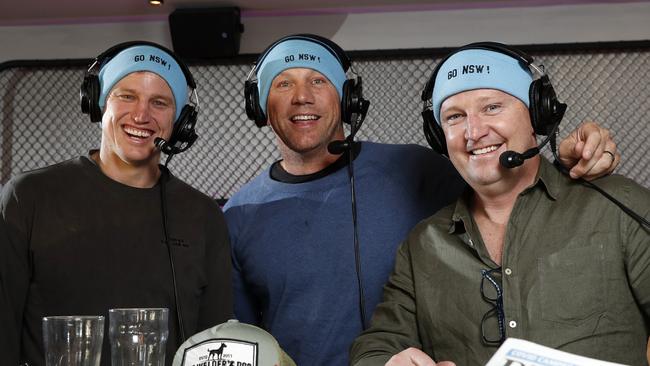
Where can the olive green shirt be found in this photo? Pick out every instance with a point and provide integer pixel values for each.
(575, 276)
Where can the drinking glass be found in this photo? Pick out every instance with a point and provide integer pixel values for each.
(138, 336)
(73, 340)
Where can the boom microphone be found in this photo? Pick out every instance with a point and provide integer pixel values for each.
(339, 147)
(164, 146)
(512, 159)
(161, 144)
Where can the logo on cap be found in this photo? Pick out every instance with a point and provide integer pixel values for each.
(153, 58)
(221, 352)
(302, 57)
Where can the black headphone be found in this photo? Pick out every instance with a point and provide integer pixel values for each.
(183, 135)
(353, 106)
(545, 110)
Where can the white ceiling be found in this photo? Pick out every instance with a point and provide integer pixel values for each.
(28, 12)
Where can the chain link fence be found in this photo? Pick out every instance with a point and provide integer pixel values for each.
(41, 121)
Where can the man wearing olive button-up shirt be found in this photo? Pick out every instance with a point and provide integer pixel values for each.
(524, 253)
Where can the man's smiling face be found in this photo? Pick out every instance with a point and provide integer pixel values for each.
(304, 110)
(480, 125)
(139, 108)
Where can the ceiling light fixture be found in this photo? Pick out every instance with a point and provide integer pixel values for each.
(156, 2)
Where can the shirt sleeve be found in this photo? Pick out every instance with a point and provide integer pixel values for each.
(14, 274)
(394, 323)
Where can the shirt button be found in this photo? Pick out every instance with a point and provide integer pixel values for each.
(512, 324)
(471, 243)
(508, 271)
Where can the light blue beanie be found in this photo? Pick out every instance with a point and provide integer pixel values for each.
(144, 58)
(480, 69)
(294, 53)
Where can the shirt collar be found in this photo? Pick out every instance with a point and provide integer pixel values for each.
(461, 215)
(278, 173)
(548, 179)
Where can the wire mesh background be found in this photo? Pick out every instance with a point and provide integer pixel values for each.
(41, 121)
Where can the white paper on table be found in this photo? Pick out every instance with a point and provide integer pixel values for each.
(517, 352)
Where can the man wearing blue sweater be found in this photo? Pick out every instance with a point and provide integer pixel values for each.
(296, 271)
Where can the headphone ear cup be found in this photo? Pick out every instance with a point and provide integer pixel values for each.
(433, 133)
(534, 108)
(253, 109)
(84, 95)
(347, 100)
(89, 97)
(184, 134)
(353, 105)
(544, 106)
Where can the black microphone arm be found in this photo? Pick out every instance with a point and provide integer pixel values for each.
(512, 159)
(340, 146)
(173, 145)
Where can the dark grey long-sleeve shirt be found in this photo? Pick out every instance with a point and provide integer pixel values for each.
(75, 242)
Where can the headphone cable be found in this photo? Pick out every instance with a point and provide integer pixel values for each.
(357, 255)
(163, 203)
(638, 218)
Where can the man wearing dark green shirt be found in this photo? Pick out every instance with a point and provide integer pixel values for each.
(526, 252)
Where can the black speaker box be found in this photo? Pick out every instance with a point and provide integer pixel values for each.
(206, 33)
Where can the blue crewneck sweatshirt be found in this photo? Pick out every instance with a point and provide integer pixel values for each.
(293, 249)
